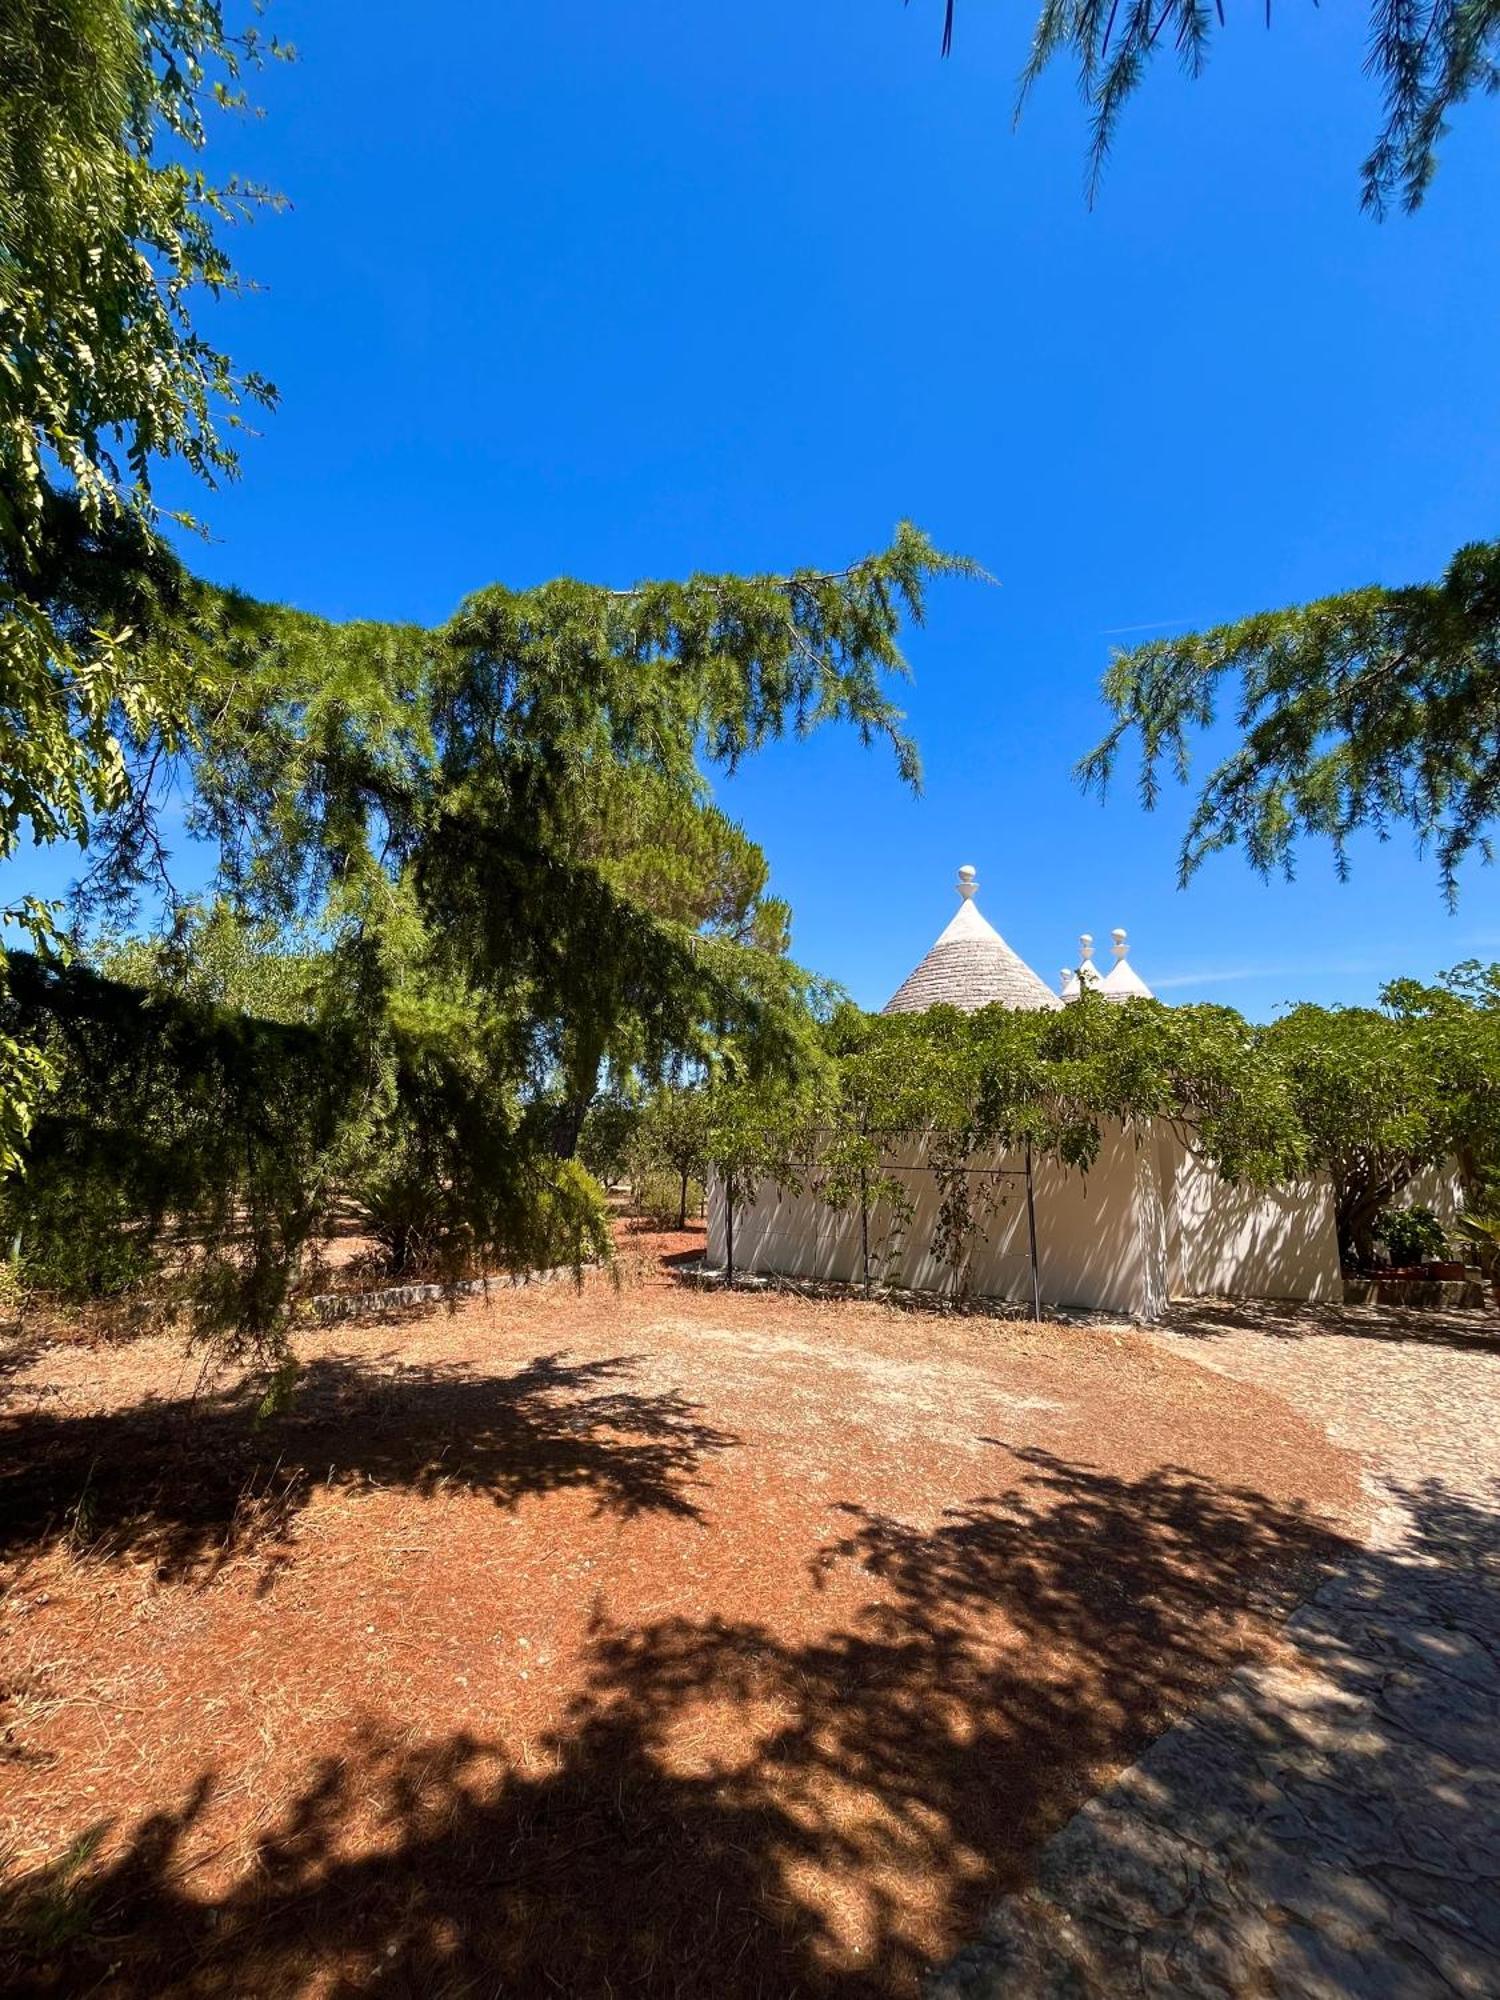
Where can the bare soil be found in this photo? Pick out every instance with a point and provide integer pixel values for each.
(623, 1640)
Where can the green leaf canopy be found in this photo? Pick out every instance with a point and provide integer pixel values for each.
(1375, 709)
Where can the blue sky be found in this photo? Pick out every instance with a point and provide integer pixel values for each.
(631, 291)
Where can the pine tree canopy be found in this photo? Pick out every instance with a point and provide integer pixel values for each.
(1373, 710)
(1428, 57)
(524, 786)
(480, 863)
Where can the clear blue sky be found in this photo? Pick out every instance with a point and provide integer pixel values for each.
(628, 291)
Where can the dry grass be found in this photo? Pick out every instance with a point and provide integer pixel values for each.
(615, 1641)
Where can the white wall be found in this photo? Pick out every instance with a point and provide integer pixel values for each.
(1441, 1189)
(1234, 1242)
(1147, 1223)
(1099, 1237)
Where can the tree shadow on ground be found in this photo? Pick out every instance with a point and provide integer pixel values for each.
(1331, 1825)
(1296, 1319)
(191, 1480)
(19, 1347)
(682, 1260)
(726, 1812)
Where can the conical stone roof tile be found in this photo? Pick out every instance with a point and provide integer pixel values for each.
(971, 966)
(1122, 981)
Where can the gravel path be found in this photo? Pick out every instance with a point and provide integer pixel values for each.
(1328, 1827)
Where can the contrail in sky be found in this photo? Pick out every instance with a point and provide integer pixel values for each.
(1154, 625)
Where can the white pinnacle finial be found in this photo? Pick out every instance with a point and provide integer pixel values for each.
(968, 881)
(1086, 946)
(1120, 947)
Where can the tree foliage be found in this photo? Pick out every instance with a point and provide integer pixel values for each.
(1375, 709)
(109, 236)
(1386, 1093)
(209, 956)
(1428, 57)
(1371, 1098)
(524, 786)
(673, 851)
(183, 1161)
(509, 882)
(192, 1155)
(496, 832)
(673, 1138)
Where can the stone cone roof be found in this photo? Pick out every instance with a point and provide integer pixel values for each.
(971, 966)
(1085, 973)
(1122, 981)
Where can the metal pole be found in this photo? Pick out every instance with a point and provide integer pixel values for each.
(1036, 1285)
(864, 1224)
(729, 1233)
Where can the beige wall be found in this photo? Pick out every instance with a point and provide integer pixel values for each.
(1148, 1222)
(1098, 1236)
(1233, 1242)
(1441, 1189)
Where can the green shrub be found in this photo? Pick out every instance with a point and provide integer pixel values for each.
(79, 1234)
(658, 1195)
(607, 1142)
(13, 1290)
(1410, 1235)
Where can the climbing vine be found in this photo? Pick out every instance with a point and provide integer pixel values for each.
(1368, 1098)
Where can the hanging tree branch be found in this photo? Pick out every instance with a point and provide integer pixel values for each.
(1428, 56)
(1371, 710)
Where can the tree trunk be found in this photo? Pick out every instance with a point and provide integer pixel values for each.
(567, 1127)
(580, 1080)
(1355, 1215)
(682, 1204)
(400, 1240)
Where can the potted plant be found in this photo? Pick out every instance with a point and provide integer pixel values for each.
(1415, 1241)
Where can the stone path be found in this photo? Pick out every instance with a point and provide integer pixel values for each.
(1327, 1828)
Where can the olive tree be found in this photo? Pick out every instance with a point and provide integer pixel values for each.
(1386, 1093)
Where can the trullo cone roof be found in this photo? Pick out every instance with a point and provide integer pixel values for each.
(971, 966)
(1122, 981)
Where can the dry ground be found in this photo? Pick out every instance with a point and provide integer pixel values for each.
(636, 1641)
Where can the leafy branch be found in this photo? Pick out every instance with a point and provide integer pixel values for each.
(1366, 711)
(1428, 56)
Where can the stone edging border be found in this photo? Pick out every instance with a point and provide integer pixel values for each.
(1420, 1294)
(329, 1307)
